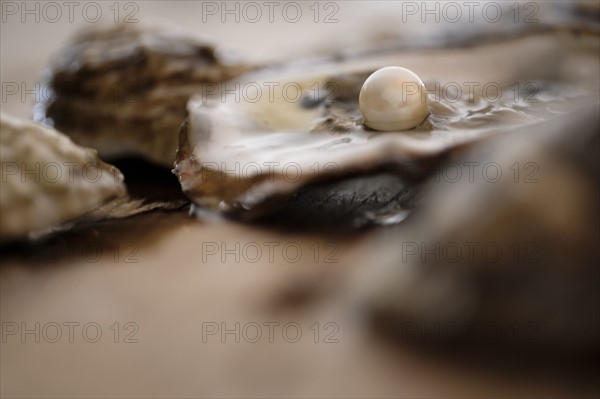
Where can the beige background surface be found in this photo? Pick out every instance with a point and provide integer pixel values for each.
(150, 271)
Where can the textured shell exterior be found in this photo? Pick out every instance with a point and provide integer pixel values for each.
(123, 89)
(47, 179)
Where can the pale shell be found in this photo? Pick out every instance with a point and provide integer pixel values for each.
(48, 180)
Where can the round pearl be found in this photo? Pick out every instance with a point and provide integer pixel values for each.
(393, 98)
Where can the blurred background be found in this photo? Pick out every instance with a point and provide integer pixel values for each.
(259, 34)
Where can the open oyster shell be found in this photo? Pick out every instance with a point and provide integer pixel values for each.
(122, 89)
(48, 180)
(298, 124)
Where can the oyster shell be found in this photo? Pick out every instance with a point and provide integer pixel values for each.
(48, 180)
(536, 286)
(122, 89)
(244, 153)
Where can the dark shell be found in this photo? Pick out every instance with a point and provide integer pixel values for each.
(123, 89)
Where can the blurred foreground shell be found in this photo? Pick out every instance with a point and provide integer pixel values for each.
(291, 126)
(48, 180)
(123, 89)
(507, 259)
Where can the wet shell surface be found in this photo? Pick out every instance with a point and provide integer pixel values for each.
(48, 180)
(123, 89)
(291, 126)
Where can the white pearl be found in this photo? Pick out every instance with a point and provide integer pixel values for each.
(393, 98)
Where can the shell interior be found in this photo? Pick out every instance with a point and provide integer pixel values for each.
(272, 132)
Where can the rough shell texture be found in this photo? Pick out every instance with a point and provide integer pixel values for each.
(47, 179)
(123, 89)
(245, 157)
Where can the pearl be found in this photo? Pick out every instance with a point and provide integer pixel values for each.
(393, 98)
